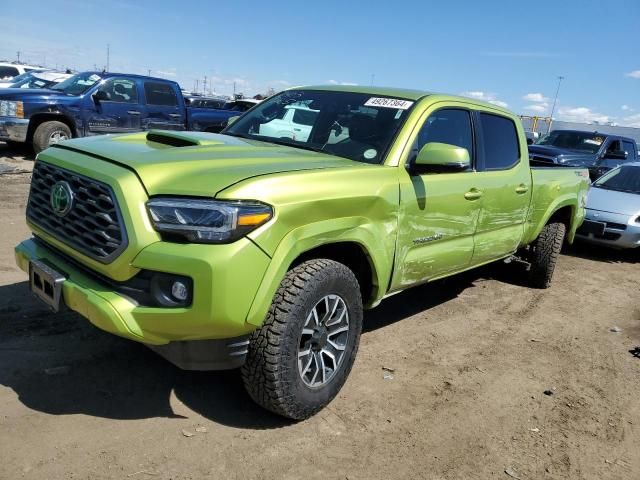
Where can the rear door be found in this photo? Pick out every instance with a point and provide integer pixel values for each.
(504, 178)
(121, 110)
(163, 109)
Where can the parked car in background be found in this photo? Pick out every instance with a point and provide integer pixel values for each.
(10, 70)
(599, 152)
(45, 79)
(613, 209)
(214, 120)
(94, 103)
(250, 250)
(204, 102)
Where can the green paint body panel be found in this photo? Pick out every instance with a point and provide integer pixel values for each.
(412, 228)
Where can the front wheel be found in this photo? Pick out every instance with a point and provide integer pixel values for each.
(544, 254)
(49, 133)
(301, 356)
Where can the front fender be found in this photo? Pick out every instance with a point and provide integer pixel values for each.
(305, 238)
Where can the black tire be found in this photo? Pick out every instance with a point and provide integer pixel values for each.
(544, 254)
(271, 374)
(42, 137)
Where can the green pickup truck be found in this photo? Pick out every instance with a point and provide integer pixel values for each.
(261, 250)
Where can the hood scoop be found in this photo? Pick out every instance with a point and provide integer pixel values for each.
(171, 138)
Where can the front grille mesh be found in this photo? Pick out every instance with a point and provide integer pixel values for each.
(93, 226)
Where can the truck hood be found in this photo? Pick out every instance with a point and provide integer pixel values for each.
(33, 95)
(197, 163)
(615, 202)
(564, 156)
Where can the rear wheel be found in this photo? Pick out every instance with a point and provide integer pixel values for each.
(50, 133)
(300, 358)
(544, 253)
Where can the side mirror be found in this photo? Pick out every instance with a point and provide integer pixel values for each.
(232, 119)
(616, 155)
(100, 96)
(442, 157)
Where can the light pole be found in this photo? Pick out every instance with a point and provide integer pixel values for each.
(555, 99)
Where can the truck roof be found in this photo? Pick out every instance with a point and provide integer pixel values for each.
(403, 93)
(133, 75)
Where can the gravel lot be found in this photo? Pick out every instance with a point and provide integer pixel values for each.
(471, 358)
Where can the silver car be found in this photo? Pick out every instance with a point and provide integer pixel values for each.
(613, 209)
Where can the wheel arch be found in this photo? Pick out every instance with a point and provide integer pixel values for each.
(354, 247)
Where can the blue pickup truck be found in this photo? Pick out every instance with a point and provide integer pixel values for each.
(599, 152)
(94, 103)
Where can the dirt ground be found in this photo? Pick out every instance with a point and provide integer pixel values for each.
(471, 358)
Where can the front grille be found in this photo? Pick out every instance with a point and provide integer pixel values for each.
(609, 236)
(93, 226)
(541, 159)
(616, 226)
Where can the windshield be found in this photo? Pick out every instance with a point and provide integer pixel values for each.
(33, 82)
(78, 84)
(356, 126)
(622, 179)
(578, 141)
(21, 77)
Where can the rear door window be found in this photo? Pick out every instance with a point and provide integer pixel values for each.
(501, 147)
(630, 148)
(162, 94)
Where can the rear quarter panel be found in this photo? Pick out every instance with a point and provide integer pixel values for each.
(555, 188)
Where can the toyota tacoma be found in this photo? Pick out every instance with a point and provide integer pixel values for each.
(260, 250)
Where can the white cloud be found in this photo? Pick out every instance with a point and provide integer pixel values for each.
(538, 107)
(634, 74)
(627, 108)
(535, 97)
(335, 82)
(170, 72)
(631, 121)
(582, 115)
(485, 97)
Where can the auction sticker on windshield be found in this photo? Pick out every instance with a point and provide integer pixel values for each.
(388, 103)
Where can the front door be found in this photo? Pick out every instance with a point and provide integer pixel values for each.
(439, 211)
(120, 109)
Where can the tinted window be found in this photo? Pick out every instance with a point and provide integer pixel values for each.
(304, 117)
(450, 126)
(8, 72)
(630, 149)
(160, 94)
(120, 90)
(500, 138)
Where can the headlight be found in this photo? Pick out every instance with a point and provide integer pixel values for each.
(206, 221)
(11, 109)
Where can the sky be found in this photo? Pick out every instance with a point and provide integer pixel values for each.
(506, 52)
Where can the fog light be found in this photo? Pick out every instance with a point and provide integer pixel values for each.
(179, 291)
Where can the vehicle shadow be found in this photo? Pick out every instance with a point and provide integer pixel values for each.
(602, 254)
(60, 364)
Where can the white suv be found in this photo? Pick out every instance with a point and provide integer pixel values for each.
(9, 70)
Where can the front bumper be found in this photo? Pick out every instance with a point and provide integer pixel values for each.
(225, 281)
(620, 232)
(14, 129)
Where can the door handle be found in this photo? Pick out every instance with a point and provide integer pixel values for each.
(133, 112)
(297, 129)
(175, 115)
(522, 188)
(473, 194)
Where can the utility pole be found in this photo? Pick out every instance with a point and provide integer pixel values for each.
(18, 56)
(204, 85)
(555, 99)
(107, 69)
(373, 76)
(234, 90)
(148, 72)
